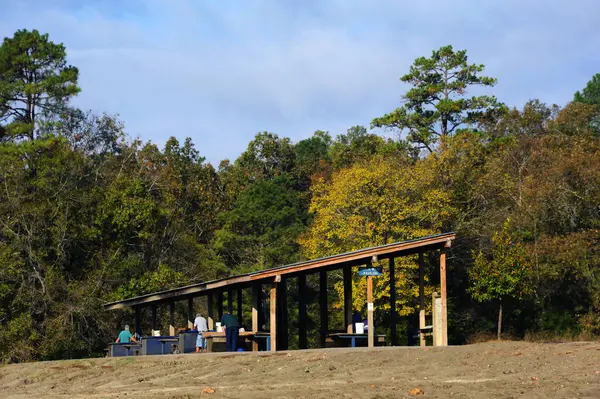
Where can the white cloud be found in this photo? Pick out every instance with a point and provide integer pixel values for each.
(222, 71)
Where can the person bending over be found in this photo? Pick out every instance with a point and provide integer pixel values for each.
(232, 329)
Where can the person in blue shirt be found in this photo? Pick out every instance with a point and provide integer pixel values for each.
(125, 336)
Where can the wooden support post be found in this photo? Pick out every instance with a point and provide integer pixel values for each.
(190, 313)
(282, 315)
(348, 299)
(138, 322)
(436, 317)
(255, 308)
(220, 305)
(171, 318)
(422, 341)
(393, 301)
(302, 341)
(323, 307)
(262, 313)
(210, 311)
(273, 317)
(444, 296)
(371, 329)
(154, 325)
(240, 315)
(230, 302)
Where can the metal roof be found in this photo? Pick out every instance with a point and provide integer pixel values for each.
(357, 257)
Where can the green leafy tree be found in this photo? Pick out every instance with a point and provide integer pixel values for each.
(267, 156)
(503, 274)
(590, 93)
(567, 280)
(86, 131)
(311, 154)
(437, 105)
(532, 121)
(35, 80)
(262, 228)
(358, 145)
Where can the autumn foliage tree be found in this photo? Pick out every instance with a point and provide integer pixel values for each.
(374, 203)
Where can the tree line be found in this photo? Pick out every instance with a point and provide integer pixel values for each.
(89, 214)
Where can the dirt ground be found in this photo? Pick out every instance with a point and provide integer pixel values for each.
(490, 370)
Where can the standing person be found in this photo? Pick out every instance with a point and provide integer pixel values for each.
(200, 325)
(125, 336)
(232, 330)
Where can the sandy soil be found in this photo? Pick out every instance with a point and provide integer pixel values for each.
(491, 370)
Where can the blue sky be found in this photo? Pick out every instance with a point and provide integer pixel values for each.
(220, 71)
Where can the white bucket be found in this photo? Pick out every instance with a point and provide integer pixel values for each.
(360, 328)
(218, 327)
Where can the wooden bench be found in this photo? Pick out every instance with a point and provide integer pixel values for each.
(266, 336)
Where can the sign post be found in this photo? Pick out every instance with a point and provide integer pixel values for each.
(370, 272)
(370, 330)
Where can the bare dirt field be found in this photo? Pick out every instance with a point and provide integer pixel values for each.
(490, 370)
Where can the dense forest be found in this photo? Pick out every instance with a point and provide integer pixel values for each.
(89, 214)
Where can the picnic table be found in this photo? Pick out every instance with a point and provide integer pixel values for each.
(352, 337)
(157, 345)
(214, 336)
(117, 349)
(187, 340)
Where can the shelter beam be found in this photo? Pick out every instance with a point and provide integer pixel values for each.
(171, 318)
(154, 324)
(371, 329)
(220, 305)
(230, 302)
(138, 322)
(302, 341)
(348, 299)
(422, 341)
(393, 302)
(273, 317)
(282, 314)
(444, 296)
(256, 290)
(190, 313)
(210, 311)
(240, 315)
(324, 319)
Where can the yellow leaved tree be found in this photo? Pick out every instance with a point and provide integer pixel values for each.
(373, 203)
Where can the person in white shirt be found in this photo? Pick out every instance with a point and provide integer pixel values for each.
(200, 325)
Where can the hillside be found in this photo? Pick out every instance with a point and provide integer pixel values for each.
(491, 370)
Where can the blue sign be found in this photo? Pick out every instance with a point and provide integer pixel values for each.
(369, 271)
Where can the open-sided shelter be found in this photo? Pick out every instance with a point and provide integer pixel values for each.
(274, 278)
